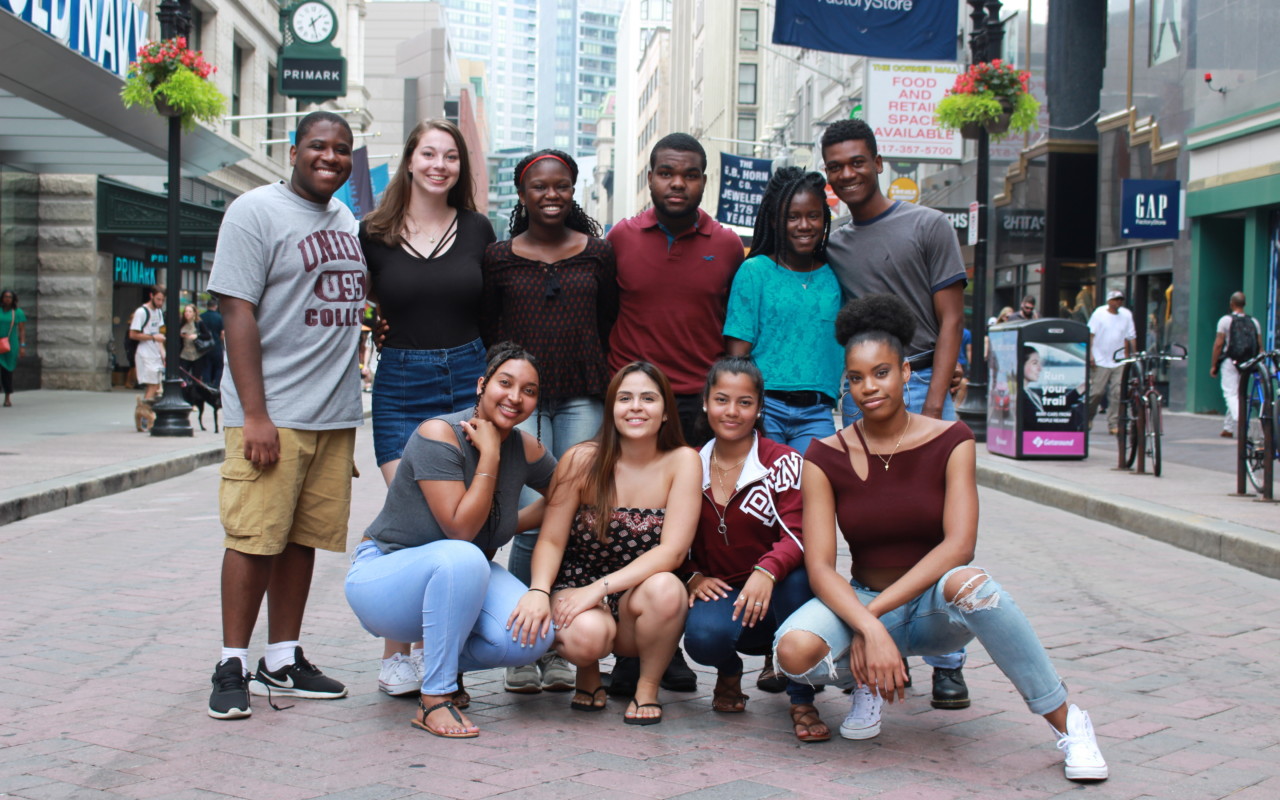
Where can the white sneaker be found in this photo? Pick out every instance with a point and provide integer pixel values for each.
(398, 677)
(1084, 760)
(557, 674)
(419, 669)
(523, 680)
(863, 721)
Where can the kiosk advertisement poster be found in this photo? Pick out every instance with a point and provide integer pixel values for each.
(1002, 407)
(1051, 398)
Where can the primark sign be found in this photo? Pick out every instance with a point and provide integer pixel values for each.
(107, 32)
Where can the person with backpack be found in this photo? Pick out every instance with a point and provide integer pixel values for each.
(1110, 329)
(145, 345)
(1239, 339)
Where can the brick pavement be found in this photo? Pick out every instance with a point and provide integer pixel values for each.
(109, 632)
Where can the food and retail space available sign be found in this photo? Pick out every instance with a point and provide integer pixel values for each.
(1150, 209)
(901, 99)
(742, 184)
(107, 32)
(918, 29)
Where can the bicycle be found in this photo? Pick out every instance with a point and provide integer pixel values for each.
(1140, 408)
(1261, 383)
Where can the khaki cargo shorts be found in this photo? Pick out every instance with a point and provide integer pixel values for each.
(304, 498)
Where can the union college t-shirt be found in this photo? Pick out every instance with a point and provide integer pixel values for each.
(300, 263)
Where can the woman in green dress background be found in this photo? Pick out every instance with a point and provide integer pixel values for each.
(13, 326)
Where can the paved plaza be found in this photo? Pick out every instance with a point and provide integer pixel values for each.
(110, 630)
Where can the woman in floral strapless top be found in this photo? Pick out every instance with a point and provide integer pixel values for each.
(608, 585)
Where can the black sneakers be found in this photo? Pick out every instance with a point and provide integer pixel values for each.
(230, 698)
(678, 677)
(299, 679)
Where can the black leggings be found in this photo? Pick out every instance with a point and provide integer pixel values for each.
(6, 380)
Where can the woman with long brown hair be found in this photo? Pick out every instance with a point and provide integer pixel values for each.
(424, 244)
(620, 519)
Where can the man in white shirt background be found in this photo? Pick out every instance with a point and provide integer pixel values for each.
(1110, 329)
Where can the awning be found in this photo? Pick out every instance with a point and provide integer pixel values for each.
(60, 112)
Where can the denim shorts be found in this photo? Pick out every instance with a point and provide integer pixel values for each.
(415, 385)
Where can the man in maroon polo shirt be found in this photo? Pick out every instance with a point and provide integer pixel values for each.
(675, 266)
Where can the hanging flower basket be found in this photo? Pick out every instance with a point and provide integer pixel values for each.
(990, 95)
(173, 81)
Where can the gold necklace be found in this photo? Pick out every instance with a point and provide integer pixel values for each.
(432, 239)
(895, 447)
(715, 466)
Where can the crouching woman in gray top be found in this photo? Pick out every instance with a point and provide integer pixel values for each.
(423, 569)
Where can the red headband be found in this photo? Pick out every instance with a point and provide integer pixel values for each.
(520, 179)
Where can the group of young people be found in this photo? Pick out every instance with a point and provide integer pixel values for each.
(544, 390)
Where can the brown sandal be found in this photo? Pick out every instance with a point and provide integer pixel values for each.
(426, 712)
(804, 718)
(460, 699)
(727, 697)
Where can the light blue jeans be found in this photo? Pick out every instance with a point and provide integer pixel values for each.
(796, 426)
(565, 422)
(916, 391)
(929, 625)
(450, 596)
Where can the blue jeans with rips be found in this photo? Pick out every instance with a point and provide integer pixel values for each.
(929, 625)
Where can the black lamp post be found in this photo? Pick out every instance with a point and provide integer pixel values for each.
(173, 413)
(985, 43)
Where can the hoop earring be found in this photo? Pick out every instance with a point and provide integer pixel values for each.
(906, 394)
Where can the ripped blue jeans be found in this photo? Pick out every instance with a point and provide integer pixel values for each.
(929, 625)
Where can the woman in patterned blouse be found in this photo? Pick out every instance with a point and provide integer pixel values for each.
(620, 519)
(553, 288)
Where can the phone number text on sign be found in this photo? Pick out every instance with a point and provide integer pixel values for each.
(901, 99)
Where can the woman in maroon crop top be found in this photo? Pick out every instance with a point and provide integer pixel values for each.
(902, 488)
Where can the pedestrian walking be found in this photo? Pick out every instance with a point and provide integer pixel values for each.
(1026, 309)
(424, 244)
(902, 488)
(745, 572)
(909, 251)
(194, 335)
(552, 287)
(675, 268)
(1238, 339)
(291, 278)
(422, 570)
(619, 522)
(1110, 330)
(215, 359)
(145, 333)
(782, 306)
(13, 342)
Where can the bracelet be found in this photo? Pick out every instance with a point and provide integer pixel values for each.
(771, 576)
(544, 591)
(486, 475)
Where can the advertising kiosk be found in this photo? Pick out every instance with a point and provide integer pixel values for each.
(1039, 379)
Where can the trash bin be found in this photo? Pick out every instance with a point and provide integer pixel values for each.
(1039, 379)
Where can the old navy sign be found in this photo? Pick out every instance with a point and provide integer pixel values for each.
(1150, 209)
(107, 32)
(922, 30)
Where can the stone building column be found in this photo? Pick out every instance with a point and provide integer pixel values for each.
(74, 286)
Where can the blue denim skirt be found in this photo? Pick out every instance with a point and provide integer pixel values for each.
(415, 385)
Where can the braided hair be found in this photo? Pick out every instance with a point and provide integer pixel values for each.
(770, 236)
(883, 318)
(577, 219)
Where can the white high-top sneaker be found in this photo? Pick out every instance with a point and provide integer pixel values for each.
(1084, 761)
(863, 721)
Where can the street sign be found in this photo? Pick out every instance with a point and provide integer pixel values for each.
(973, 223)
(316, 78)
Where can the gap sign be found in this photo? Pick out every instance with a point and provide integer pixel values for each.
(1150, 209)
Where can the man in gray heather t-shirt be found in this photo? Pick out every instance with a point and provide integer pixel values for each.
(291, 279)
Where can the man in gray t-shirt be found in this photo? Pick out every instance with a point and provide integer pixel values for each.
(909, 251)
(291, 279)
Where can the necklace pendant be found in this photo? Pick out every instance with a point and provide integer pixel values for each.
(886, 467)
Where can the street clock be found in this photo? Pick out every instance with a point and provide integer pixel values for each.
(313, 22)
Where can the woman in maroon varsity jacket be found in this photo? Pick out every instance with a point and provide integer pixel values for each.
(745, 572)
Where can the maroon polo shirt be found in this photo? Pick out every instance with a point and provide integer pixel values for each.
(673, 296)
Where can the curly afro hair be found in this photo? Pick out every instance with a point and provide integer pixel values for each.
(876, 318)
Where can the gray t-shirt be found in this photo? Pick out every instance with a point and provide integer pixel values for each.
(406, 519)
(910, 251)
(300, 263)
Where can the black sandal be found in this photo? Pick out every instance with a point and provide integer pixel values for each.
(599, 693)
(426, 712)
(642, 720)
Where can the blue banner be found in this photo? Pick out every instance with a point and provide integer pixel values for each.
(742, 184)
(1150, 209)
(921, 30)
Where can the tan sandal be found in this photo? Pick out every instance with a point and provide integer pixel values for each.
(804, 718)
(426, 712)
(727, 697)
